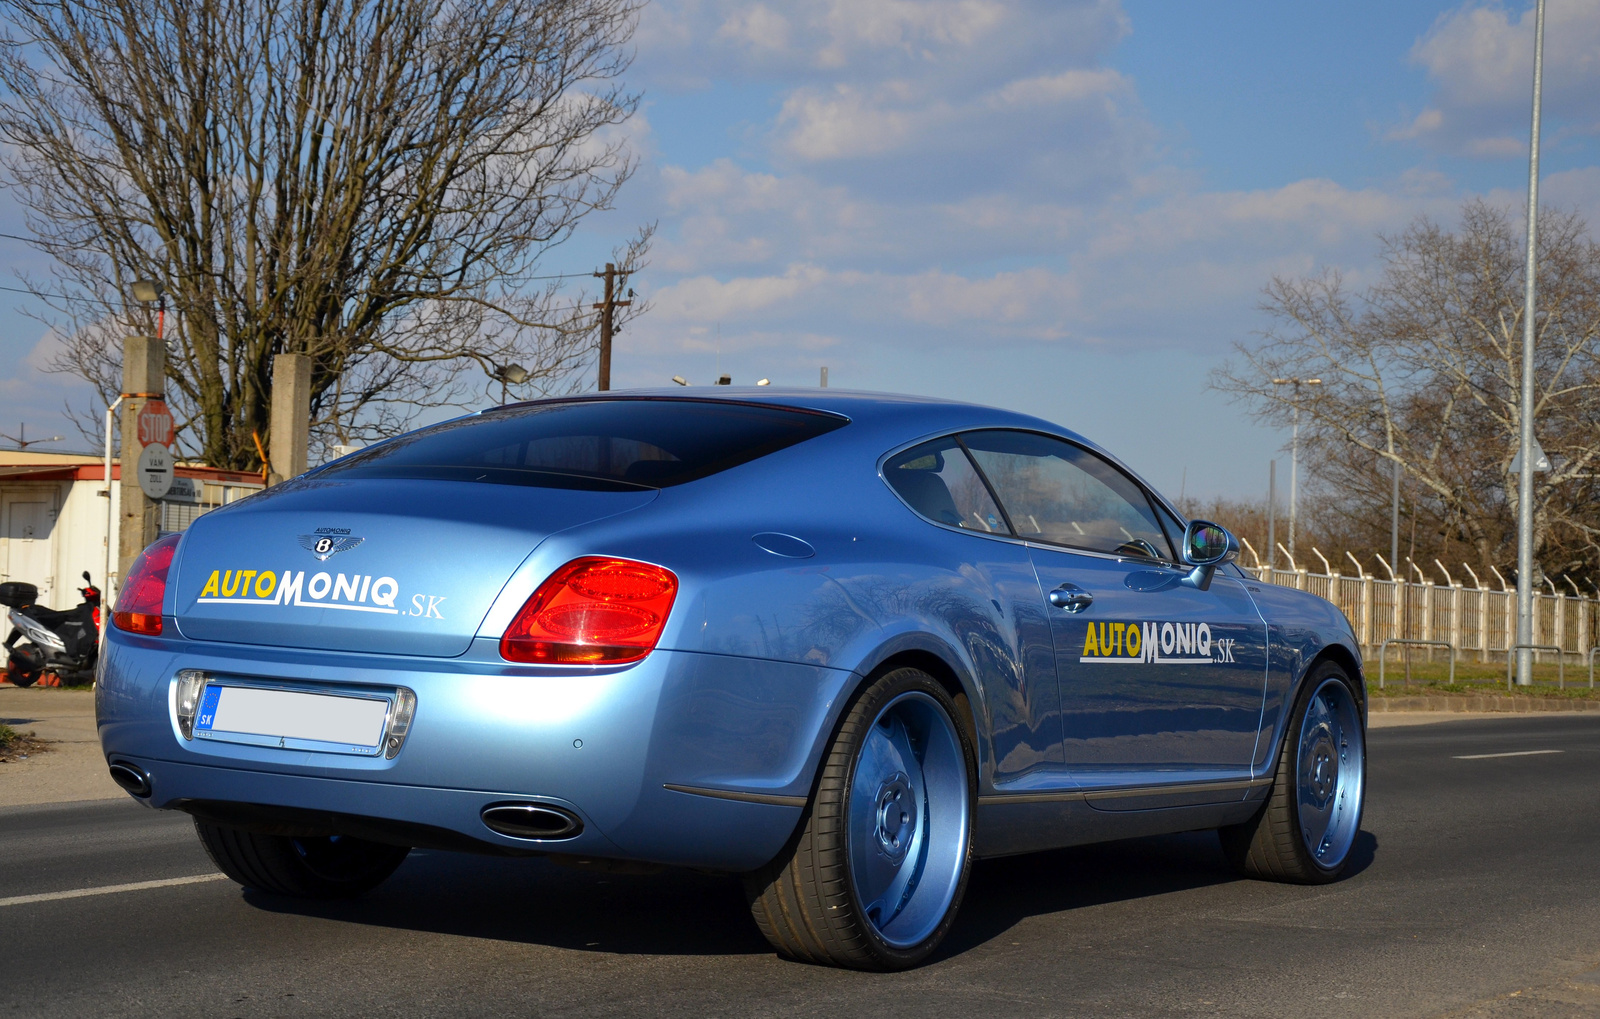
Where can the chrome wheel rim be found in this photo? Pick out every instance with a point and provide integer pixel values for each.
(907, 819)
(1330, 773)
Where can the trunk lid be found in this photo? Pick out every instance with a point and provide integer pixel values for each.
(389, 566)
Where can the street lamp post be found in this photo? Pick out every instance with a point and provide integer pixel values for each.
(1525, 565)
(1294, 451)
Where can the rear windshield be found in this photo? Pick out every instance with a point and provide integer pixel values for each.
(606, 444)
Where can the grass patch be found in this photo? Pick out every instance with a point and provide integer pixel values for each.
(1476, 677)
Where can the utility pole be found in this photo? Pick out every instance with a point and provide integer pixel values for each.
(607, 326)
(144, 370)
(1525, 564)
(289, 419)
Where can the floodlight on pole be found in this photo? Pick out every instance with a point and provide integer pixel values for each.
(1526, 444)
(151, 292)
(509, 374)
(1294, 451)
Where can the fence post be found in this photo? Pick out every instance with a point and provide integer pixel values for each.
(1366, 611)
(1483, 625)
(1455, 615)
(1511, 619)
(1561, 623)
(1583, 626)
(1427, 614)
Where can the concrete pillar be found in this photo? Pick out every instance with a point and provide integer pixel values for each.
(289, 431)
(144, 370)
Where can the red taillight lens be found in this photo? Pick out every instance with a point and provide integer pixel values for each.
(593, 611)
(139, 602)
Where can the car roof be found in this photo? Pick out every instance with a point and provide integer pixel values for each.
(861, 407)
(892, 418)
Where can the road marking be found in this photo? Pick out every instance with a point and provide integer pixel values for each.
(133, 886)
(1510, 753)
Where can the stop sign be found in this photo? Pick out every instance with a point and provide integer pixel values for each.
(155, 424)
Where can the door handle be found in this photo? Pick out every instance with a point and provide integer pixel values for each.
(1071, 597)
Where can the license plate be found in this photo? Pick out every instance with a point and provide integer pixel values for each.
(292, 720)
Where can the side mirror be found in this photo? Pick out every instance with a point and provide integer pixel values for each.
(1205, 547)
(86, 579)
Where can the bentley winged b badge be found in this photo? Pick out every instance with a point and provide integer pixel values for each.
(328, 542)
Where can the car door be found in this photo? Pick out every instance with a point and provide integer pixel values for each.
(1012, 649)
(1161, 684)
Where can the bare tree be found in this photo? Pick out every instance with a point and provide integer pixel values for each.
(1423, 370)
(373, 183)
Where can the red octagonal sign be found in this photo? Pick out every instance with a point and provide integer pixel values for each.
(155, 424)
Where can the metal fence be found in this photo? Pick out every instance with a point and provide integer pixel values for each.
(1480, 623)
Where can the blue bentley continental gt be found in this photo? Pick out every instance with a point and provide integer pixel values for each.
(840, 644)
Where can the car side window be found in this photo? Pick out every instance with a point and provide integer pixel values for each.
(938, 481)
(1060, 493)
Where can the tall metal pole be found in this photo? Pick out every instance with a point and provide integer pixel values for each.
(1525, 564)
(1272, 511)
(1294, 468)
(1394, 516)
(1294, 452)
(107, 584)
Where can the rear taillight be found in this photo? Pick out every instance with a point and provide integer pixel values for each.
(593, 611)
(138, 607)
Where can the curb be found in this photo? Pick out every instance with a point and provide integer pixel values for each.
(1480, 703)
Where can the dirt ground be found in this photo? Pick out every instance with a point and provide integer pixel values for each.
(72, 767)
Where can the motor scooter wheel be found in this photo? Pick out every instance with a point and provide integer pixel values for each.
(19, 677)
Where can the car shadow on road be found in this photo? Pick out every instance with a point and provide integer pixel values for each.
(1003, 892)
(678, 912)
(533, 901)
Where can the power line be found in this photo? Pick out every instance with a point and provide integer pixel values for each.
(554, 275)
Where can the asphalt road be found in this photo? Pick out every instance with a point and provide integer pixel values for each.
(1474, 894)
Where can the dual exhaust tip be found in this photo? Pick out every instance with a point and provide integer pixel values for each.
(532, 821)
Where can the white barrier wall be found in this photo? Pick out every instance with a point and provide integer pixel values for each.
(1480, 623)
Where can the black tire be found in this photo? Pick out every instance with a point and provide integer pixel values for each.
(17, 677)
(805, 902)
(1271, 846)
(321, 867)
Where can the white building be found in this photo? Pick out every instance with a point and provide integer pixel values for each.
(54, 517)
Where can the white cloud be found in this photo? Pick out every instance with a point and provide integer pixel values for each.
(1479, 58)
(759, 27)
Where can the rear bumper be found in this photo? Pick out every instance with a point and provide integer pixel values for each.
(685, 758)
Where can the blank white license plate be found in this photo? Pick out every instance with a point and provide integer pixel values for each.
(292, 720)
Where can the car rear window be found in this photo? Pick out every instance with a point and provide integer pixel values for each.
(620, 443)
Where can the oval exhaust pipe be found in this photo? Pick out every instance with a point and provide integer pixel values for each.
(532, 821)
(132, 778)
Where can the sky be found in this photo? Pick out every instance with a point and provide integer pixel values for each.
(1064, 208)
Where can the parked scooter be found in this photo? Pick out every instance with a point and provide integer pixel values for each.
(59, 648)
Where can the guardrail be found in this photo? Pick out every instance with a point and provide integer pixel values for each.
(1561, 661)
(1424, 643)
